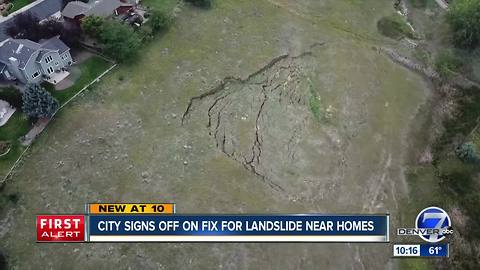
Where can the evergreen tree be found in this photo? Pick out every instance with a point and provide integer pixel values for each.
(38, 103)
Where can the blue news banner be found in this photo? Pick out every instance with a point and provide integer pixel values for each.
(238, 228)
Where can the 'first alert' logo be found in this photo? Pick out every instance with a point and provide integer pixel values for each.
(432, 225)
(60, 228)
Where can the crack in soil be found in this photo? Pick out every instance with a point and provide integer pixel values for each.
(218, 108)
(231, 79)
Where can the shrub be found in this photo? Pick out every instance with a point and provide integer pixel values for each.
(395, 27)
(146, 33)
(464, 19)
(159, 20)
(447, 63)
(38, 103)
(12, 96)
(200, 3)
(468, 152)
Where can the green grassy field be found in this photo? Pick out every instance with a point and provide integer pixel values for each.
(18, 4)
(90, 69)
(164, 5)
(17, 126)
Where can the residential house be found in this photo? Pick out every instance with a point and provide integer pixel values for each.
(30, 62)
(77, 10)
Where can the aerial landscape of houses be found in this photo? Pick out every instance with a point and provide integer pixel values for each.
(47, 57)
(31, 62)
(27, 61)
(37, 70)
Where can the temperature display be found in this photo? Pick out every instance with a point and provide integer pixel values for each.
(420, 250)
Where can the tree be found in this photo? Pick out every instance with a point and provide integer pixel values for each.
(27, 26)
(464, 19)
(92, 25)
(120, 41)
(71, 34)
(38, 103)
(50, 28)
(24, 25)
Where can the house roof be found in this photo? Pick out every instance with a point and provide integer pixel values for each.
(46, 8)
(20, 49)
(55, 44)
(104, 8)
(75, 8)
(101, 8)
(24, 49)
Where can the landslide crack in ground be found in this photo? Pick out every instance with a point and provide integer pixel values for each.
(223, 128)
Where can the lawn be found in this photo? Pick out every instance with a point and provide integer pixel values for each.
(18, 4)
(17, 126)
(90, 69)
(164, 5)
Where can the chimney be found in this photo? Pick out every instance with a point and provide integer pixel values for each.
(14, 61)
(19, 49)
(14, 68)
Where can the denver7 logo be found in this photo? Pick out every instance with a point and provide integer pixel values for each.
(434, 218)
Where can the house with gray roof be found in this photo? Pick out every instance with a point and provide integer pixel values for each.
(76, 10)
(30, 62)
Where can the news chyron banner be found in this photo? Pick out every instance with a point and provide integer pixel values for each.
(160, 223)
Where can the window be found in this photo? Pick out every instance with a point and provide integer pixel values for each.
(50, 70)
(48, 59)
(36, 74)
